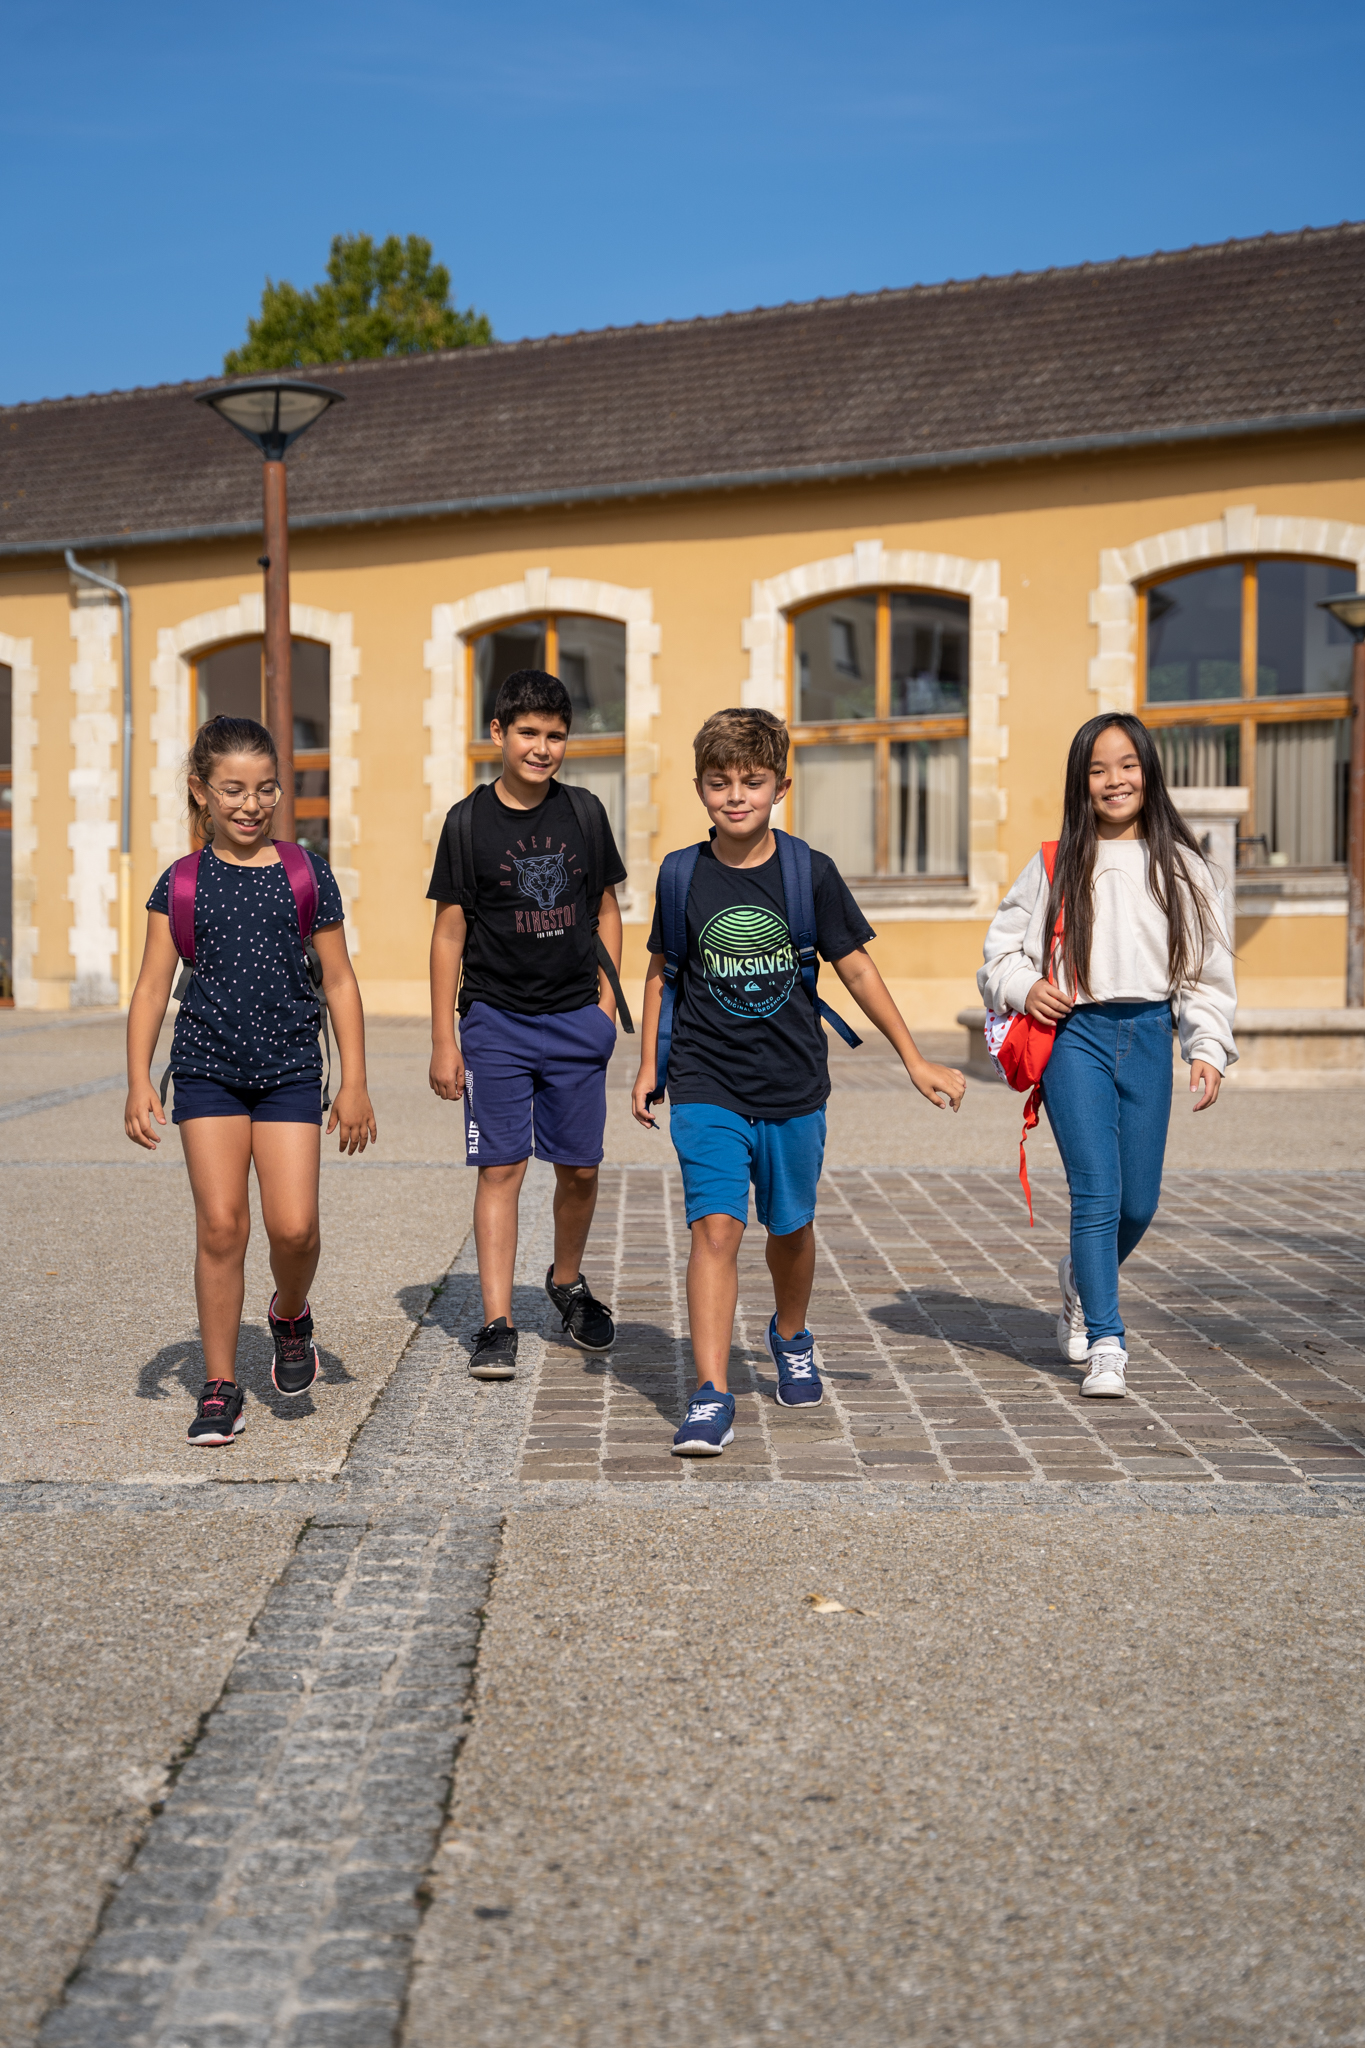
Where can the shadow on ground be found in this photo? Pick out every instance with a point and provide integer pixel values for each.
(183, 1365)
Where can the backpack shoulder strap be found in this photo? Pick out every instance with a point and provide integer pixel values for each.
(180, 903)
(303, 880)
(589, 817)
(1048, 849)
(793, 857)
(675, 883)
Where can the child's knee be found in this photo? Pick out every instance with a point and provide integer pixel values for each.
(718, 1237)
(577, 1179)
(223, 1233)
(299, 1238)
(500, 1177)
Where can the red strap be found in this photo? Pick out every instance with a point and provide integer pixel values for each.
(1030, 1124)
(180, 904)
(303, 880)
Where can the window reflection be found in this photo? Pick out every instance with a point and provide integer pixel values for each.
(836, 661)
(929, 807)
(498, 656)
(1301, 651)
(836, 804)
(592, 668)
(1194, 637)
(1302, 787)
(230, 683)
(1200, 756)
(928, 654)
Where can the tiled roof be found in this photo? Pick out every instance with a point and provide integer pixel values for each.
(1241, 336)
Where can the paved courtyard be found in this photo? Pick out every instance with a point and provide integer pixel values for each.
(453, 1713)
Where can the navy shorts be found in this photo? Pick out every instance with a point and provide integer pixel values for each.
(720, 1152)
(292, 1102)
(535, 1084)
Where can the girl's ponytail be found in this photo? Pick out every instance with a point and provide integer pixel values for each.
(1189, 917)
(221, 736)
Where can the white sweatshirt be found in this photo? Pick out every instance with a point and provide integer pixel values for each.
(1127, 951)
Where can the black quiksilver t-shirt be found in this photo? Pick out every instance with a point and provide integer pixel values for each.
(745, 1033)
(530, 947)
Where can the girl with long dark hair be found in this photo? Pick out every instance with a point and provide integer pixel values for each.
(245, 1057)
(1128, 936)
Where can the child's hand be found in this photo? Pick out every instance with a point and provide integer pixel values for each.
(1046, 1004)
(142, 1105)
(446, 1073)
(934, 1082)
(639, 1108)
(353, 1112)
(1205, 1081)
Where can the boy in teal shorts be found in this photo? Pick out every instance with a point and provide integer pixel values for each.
(747, 1072)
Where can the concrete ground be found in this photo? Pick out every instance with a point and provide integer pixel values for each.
(425, 1734)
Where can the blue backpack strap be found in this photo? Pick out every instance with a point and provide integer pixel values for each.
(793, 857)
(675, 881)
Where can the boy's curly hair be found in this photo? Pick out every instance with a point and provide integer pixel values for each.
(742, 739)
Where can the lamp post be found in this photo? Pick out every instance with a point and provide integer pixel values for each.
(1350, 613)
(272, 413)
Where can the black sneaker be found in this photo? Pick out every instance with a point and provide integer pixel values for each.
(586, 1319)
(494, 1356)
(218, 1418)
(296, 1355)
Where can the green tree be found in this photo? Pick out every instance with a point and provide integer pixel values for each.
(388, 299)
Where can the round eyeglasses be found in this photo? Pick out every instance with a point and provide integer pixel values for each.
(268, 795)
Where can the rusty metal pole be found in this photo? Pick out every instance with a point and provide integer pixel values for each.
(1355, 851)
(279, 677)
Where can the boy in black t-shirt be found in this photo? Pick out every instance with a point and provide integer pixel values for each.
(537, 1023)
(748, 1072)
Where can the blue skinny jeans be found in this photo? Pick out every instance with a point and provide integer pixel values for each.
(1107, 1093)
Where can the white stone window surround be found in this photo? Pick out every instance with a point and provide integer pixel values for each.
(17, 656)
(446, 715)
(1240, 532)
(871, 565)
(93, 785)
(172, 725)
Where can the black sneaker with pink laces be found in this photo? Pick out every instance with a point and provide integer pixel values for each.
(296, 1355)
(218, 1418)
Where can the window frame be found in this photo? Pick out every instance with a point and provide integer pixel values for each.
(1247, 711)
(603, 745)
(312, 758)
(881, 731)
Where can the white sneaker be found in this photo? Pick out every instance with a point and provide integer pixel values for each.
(1072, 1339)
(1106, 1368)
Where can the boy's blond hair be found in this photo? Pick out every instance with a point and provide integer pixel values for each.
(742, 739)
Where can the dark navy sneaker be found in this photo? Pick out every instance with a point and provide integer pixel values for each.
(296, 1363)
(798, 1382)
(219, 1416)
(708, 1426)
(494, 1352)
(586, 1319)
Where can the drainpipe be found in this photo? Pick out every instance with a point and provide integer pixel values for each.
(125, 853)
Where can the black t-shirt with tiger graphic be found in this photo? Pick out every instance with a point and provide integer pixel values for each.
(530, 947)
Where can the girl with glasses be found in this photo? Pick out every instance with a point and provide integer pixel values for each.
(246, 1062)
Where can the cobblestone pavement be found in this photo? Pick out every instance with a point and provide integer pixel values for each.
(325, 1802)
(935, 1311)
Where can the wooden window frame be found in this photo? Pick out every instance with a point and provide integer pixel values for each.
(881, 731)
(602, 745)
(312, 758)
(1247, 711)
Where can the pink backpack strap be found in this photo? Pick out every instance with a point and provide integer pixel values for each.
(303, 880)
(180, 904)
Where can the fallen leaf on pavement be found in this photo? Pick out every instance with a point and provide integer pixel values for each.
(820, 1603)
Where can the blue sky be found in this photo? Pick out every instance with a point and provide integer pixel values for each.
(590, 164)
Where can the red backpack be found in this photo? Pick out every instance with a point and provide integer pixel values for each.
(1020, 1048)
(303, 880)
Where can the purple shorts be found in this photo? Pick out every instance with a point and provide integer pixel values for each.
(535, 1085)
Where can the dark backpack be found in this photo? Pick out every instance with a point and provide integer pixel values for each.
(590, 819)
(675, 881)
(303, 880)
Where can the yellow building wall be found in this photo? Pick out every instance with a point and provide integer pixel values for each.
(1045, 524)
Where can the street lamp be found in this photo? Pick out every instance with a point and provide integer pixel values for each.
(1350, 613)
(272, 413)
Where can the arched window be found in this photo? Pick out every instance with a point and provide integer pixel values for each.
(229, 682)
(589, 657)
(878, 718)
(1245, 680)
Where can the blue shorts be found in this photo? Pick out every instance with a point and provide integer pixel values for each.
(535, 1084)
(292, 1102)
(720, 1152)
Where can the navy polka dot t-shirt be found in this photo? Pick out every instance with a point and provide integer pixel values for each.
(249, 1016)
